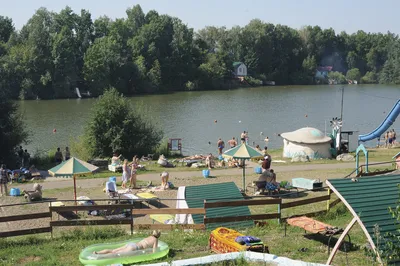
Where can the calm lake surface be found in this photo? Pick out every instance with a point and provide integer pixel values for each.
(262, 111)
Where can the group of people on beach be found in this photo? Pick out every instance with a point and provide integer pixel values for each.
(58, 156)
(390, 138)
(129, 172)
(24, 157)
(244, 138)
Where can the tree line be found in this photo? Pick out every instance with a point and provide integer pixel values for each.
(53, 53)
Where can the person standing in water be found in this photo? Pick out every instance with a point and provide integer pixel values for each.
(220, 145)
(232, 142)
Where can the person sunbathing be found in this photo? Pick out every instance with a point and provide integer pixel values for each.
(148, 242)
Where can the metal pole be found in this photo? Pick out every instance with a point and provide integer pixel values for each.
(244, 175)
(341, 120)
(341, 109)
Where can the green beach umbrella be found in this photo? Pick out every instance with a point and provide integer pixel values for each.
(73, 168)
(243, 151)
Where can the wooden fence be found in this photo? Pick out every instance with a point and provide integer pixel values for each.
(59, 210)
(23, 217)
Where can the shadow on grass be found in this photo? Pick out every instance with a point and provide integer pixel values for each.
(28, 241)
(346, 245)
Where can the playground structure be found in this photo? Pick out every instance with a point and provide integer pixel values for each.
(389, 120)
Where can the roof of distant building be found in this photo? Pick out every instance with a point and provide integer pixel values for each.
(324, 68)
(236, 64)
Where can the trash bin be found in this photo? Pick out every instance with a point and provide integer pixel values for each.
(258, 170)
(206, 173)
(15, 192)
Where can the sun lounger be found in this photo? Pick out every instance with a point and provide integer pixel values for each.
(114, 168)
(163, 218)
(128, 197)
(148, 197)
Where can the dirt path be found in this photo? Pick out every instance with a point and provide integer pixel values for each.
(54, 183)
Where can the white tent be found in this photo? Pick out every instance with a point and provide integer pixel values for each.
(306, 141)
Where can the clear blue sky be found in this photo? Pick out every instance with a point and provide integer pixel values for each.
(348, 15)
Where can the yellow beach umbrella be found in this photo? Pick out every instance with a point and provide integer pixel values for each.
(72, 168)
(243, 151)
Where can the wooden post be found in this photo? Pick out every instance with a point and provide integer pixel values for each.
(329, 200)
(51, 219)
(279, 212)
(76, 212)
(340, 240)
(132, 220)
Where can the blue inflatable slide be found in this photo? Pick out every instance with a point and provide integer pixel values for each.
(389, 120)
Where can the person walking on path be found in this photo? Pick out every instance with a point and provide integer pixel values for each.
(220, 145)
(4, 178)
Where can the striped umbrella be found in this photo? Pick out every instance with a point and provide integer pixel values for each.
(243, 151)
(73, 167)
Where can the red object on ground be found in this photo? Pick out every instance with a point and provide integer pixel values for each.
(54, 130)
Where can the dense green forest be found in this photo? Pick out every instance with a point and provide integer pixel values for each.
(144, 53)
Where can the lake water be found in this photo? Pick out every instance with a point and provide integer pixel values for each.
(262, 111)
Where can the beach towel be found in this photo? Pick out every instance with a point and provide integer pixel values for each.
(247, 240)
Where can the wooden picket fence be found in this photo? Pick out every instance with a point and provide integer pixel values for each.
(57, 210)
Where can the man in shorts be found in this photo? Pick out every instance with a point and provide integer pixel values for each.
(220, 145)
(232, 142)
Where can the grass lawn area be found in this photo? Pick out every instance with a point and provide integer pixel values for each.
(374, 155)
(64, 249)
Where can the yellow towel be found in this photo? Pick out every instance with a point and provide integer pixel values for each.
(57, 204)
(146, 195)
(162, 218)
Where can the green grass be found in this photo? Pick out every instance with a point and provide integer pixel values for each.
(374, 155)
(64, 249)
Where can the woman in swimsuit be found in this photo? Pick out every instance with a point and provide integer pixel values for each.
(148, 242)
(134, 166)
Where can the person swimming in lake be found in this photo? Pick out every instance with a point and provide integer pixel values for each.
(148, 242)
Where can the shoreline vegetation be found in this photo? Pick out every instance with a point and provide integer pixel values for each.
(144, 53)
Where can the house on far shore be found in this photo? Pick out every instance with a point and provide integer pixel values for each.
(322, 72)
(239, 70)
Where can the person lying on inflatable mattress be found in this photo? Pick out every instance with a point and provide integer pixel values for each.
(148, 242)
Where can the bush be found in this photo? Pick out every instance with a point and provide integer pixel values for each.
(354, 74)
(115, 125)
(369, 78)
(254, 81)
(78, 150)
(337, 76)
(190, 86)
(43, 159)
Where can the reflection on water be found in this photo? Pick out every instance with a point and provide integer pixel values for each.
(262, 111)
